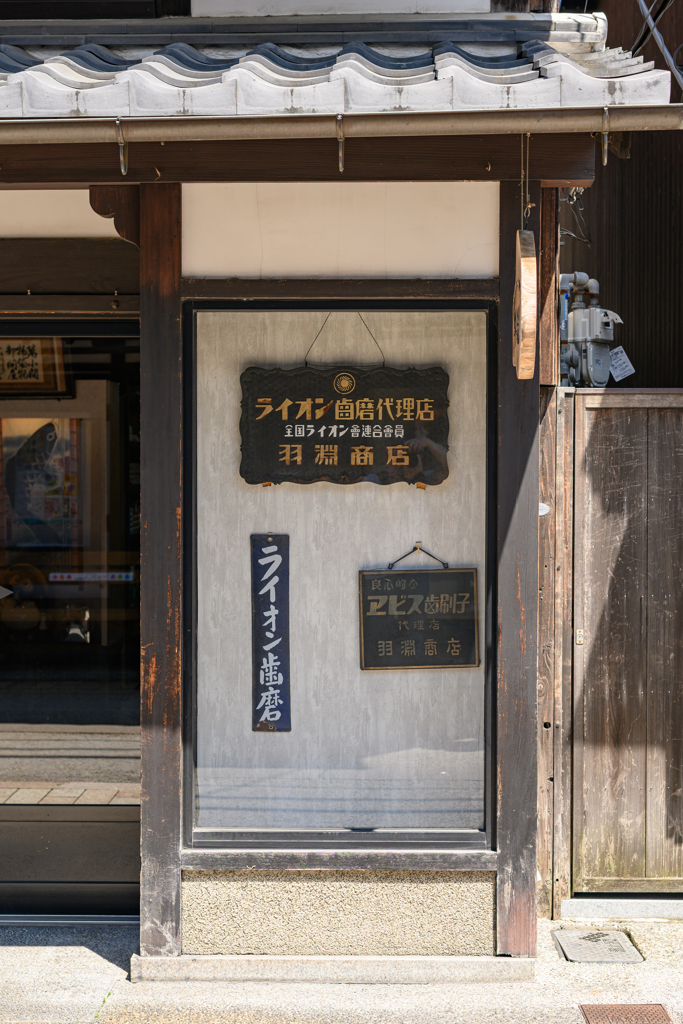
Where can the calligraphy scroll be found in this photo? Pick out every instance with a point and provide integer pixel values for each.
(270, 632)
(30, 367)
(426, 618)
(344, 425)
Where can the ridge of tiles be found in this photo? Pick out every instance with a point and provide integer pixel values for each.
(177, 79)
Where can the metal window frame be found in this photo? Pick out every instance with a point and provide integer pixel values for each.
(230, 849)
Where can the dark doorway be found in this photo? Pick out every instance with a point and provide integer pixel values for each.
(69, 617)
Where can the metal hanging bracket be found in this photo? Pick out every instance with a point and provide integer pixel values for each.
(605, 135)
(340, 140)
(418, 547)
(123, 147)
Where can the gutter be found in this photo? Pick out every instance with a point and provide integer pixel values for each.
(588, 120)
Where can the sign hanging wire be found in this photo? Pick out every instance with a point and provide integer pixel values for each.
(417, 546)
(526, 206)
(384, 362)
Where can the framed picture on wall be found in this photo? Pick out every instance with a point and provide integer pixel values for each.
(32, 367)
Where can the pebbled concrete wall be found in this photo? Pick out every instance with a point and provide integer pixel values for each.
(329, 913)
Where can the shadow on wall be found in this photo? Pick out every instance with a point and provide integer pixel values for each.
(631, 522)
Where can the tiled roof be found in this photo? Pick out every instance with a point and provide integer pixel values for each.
(93, 80)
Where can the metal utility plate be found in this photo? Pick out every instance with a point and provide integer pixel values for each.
(626, 1013)
(596, 947)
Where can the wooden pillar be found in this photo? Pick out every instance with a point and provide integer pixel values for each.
(546, 648)
(517, 601)
(160, 435)
(548, 273)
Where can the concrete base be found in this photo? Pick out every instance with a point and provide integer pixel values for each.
(341, 970)
(623, 909)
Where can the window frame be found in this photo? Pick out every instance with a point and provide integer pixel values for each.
(204, 848)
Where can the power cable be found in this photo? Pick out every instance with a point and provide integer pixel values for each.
(645, 33)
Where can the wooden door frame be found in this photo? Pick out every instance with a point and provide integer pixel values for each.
(515, 584)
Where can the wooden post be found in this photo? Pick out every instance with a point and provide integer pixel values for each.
(546, 648)
(564, 644)
(517, 600)
(160, 399)
(548, 341)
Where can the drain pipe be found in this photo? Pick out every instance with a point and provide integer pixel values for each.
(589, 120)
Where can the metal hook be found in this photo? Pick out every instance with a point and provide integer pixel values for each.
(123, 147)
(340, 139)
(605, 135)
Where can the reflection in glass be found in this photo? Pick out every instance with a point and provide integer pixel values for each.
(69, 557)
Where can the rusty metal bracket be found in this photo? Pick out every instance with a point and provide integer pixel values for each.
(605, 135)
(123, 147)
(340, 141)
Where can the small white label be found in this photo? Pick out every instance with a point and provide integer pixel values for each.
(620, 365)
(543, 509)
(579, 636)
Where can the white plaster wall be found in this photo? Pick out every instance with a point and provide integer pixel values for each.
(391, 749)
(283, 8)
(51, 213)
(337, 913)
(345, 229)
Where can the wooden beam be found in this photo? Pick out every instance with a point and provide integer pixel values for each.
(567, 158)
(125, 307)
(68, 266)
(546, 649)
(160, 598)
(484, 289)
(517, 598)
(548, 341)
(122, 202)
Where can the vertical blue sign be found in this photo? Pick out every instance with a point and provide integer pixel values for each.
(270, 632)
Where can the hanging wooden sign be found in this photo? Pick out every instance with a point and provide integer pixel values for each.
(524, 311)
(344, 424)
(419, 618)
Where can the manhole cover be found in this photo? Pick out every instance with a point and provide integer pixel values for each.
(597, 947)
(627, 1013)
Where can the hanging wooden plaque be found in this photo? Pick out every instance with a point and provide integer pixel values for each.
(344, 425)
(418, 619)
(524, 310)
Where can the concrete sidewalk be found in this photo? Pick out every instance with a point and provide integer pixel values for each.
(77, 975)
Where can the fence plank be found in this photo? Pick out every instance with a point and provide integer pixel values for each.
(546, 649)
(665, 647)
(610, 606)
(564, 642)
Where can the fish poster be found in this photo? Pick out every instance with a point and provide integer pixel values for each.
(40, 482)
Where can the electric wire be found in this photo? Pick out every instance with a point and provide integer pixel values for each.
(645, 33)
(574, 201)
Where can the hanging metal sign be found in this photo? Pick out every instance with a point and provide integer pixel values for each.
(270, 632)
(344, 425)
(420, 618)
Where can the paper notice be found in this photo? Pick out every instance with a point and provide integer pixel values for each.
(620, 365)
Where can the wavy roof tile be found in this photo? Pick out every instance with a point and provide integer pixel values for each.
(94, 80)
